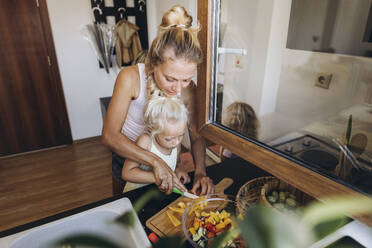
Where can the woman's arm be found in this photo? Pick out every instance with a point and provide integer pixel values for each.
(201, 180)
(182, 175)
(127, 87)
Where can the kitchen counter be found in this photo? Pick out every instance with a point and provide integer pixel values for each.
(238, 169)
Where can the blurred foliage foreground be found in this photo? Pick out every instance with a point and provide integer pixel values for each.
(261, 226)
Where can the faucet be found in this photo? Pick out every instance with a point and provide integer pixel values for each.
(342, 169)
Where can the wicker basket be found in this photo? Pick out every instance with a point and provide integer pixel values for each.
(249, 193)
(279, 185)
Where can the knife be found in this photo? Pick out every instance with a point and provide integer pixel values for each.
(186, 194)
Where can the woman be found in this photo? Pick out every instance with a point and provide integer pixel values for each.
(170, 66)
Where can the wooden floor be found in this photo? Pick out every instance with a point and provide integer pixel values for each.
(40, 184)
(44, 183)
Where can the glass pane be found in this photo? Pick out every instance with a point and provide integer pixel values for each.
(298, 102)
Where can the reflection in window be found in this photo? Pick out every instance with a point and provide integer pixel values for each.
(241, 117)
(296, 115)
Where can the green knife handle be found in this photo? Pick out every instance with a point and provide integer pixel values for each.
(177, 191)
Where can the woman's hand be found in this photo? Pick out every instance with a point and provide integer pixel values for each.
(182, 175)
(203, 184)
(165, 178)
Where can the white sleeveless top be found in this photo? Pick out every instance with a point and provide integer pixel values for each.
(170, 159)
(134, 126)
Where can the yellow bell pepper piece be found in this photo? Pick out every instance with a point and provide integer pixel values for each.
(196, 224)
(204, 214)
(181, 205)
(197, 213)
(173, 219)
(216, 218)
(192, 230)
(220, 225)
(177, 210)
(227, 221)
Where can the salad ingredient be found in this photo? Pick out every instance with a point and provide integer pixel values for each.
(173, 219)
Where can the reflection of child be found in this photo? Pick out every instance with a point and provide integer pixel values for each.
(240, 117)
(166, 121)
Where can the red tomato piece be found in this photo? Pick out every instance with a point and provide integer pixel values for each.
(210, 235)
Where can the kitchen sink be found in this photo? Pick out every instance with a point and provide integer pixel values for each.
(97, 221)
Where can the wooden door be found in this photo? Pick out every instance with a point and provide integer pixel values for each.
(32, 109)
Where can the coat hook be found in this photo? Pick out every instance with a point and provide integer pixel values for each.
(142, 5)
(122, 12)
(97, 8)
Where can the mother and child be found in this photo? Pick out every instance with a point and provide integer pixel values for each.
(152, 106)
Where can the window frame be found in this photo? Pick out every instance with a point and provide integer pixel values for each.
(251, 150)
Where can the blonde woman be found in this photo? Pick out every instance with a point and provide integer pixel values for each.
(166, 123)
(171, 64)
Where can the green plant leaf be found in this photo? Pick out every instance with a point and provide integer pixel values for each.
(141, 202)
(175, 241)
(263, 227)
(337, 207)
(128, 217)
(327, 227)
(88, 240)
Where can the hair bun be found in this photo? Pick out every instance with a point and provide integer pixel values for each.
(177, 16)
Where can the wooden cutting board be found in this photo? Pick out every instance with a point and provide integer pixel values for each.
(160, 223)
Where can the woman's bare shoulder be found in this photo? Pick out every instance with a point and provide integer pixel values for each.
(128, 73)
(128, 80)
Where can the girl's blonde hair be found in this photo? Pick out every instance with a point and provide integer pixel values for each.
(161, 110)
(242, 118)
(175, 32)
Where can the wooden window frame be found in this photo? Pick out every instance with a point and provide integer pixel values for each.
(308, 181)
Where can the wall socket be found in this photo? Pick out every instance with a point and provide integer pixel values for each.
(323, 80)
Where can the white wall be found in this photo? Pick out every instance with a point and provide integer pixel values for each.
(83, 81)
(299, 101)
(256, 26)
(156, 8)
(279, 82)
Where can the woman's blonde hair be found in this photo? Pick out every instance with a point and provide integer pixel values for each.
(160, 110)
(242, 118)
(175, 32)
(140, 57)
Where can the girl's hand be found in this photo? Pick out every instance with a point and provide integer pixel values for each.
(165, 178)
(183, 176)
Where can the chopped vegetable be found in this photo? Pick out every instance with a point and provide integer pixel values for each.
(181, 205)
(173, 219)
(291, 202)
(208, 225)
(177, 210)
(192, 230)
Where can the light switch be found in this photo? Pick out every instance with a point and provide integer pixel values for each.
(239, 62)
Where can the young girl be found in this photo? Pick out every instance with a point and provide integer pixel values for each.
(240, 117)
(166, 121)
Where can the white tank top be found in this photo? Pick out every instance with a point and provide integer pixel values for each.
(170, 159)
(134, 126)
